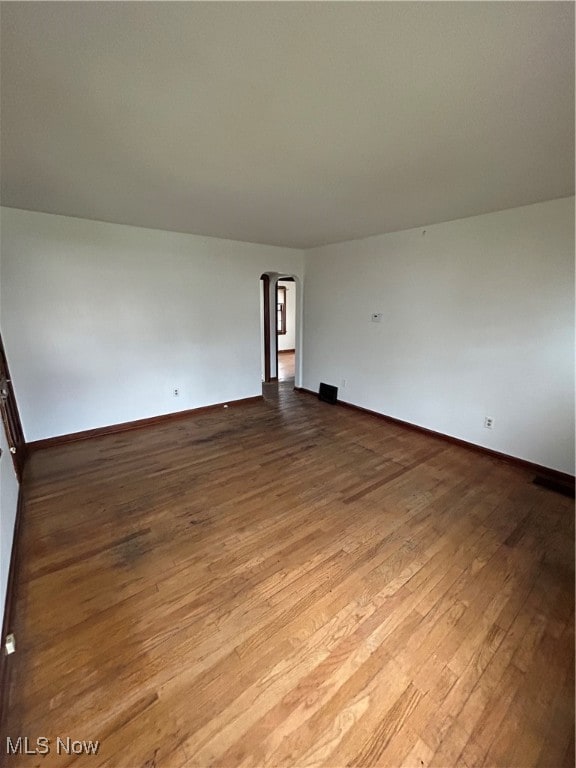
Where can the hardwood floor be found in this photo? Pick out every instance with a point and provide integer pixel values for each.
(286, 366)
(290, 583)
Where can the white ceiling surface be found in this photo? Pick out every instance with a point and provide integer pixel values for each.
(293, 124)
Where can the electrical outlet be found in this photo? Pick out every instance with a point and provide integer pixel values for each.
(488, 422)
(344, 382)
(176, 393)
(376, 317)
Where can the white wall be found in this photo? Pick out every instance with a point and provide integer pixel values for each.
(288, 340)
(477, 320)
(8, 504)
(103, 321)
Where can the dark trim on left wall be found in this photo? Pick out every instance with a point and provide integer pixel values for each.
(7, 662)
(129, 426)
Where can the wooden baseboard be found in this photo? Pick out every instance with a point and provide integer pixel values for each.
(286, 351)
(129, 426)
(561, 477)
(6, 662)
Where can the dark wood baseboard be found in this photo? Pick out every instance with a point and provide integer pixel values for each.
(562, 477)
(6, 662)
(286, 351)
(129, 426)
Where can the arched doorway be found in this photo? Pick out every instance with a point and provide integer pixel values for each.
(278, 303)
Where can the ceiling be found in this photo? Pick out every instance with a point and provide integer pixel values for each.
(292, 124)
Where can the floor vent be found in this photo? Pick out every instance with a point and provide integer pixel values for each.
(328, 393)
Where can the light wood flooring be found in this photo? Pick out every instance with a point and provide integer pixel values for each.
(286, 366)
(290, 583)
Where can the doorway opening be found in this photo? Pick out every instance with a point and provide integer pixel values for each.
(286, 328)
(280, 310)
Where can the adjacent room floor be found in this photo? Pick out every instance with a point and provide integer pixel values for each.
(290, 583)
(286, 366)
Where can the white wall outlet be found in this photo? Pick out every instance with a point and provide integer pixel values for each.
(10, 644)
(176, 392)
(488, 422)
(344, 382)
(376, 317)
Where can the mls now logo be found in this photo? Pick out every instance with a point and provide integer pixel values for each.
(23, 745)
